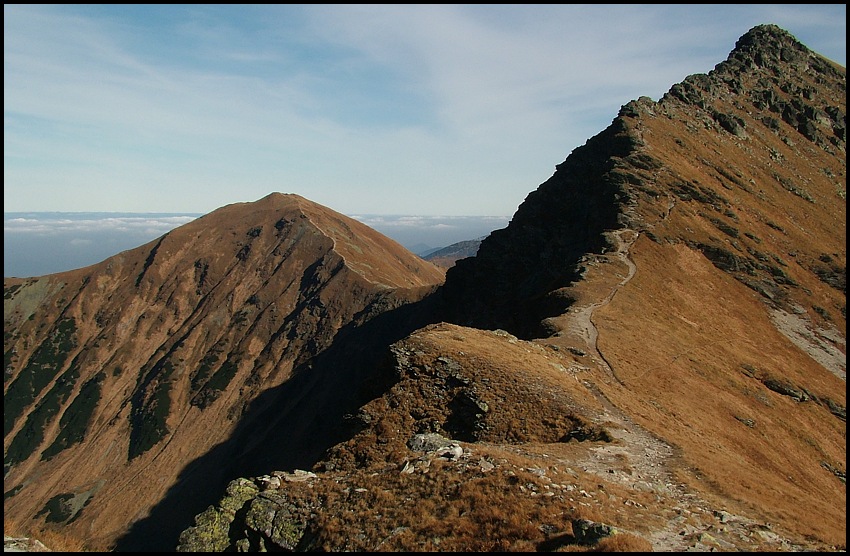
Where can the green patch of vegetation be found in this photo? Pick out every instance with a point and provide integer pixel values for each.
(239, 318)
(66, 507)
(149, 260)
(200, 376)
(243, 253)
(789, 186)
(216, 385)
(76, 418)
(724, 227)
(775, 226)
(58, 509)
(39, 371)
(201, 270)
(151, 405)
(780, 277)
(32, 433)
(12, 492)
(696, 192)
(9, 293)
(822, 312)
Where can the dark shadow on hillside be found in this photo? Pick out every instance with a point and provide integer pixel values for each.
(288, 427)
(516, 279)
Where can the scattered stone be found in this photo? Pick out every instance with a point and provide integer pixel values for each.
(452, 453)
(588, 532)
(297, 476)
(428, 442)
(23, 544)
(269, 483)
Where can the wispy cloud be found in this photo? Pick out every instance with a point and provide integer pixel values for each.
(426, 222)
(395, 109)
(96, 224)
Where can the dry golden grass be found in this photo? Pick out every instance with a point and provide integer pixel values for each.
(54, 539)
(514, 507)
(624, 542)
(691, 390)
(58, 541)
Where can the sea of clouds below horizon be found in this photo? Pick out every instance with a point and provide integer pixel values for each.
(39, 243)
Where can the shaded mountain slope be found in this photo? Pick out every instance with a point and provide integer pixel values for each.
(449, 255)
(153, 356)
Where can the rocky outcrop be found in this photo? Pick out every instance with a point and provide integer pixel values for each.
(509, 284)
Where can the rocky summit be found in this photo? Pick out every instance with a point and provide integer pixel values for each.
(650, 356)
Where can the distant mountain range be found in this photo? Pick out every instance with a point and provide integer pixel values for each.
(650, 356)
(446, 257)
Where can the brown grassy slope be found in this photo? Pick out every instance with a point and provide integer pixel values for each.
(258, 286)
(684, 349)
(518, 485)
(694, 347)
(540, 450)
(736, 184)
(502, 494)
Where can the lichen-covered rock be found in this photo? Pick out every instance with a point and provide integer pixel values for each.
(211, 532)
(276, 521)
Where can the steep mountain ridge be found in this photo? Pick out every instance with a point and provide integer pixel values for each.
(683, 274)
(771, 115)
(658, 352)
(742, 170)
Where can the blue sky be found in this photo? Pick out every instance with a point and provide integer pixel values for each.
(382, 109)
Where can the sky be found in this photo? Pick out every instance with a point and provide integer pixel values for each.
(450, 109)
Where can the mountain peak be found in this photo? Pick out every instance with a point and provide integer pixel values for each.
(767, 37)
(369, 253)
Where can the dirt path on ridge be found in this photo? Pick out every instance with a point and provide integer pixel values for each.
(641, 461)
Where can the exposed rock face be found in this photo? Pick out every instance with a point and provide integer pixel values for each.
(509, 283)
(187, 350)
(658, 358)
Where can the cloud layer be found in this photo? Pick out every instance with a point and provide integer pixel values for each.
(35, 244)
